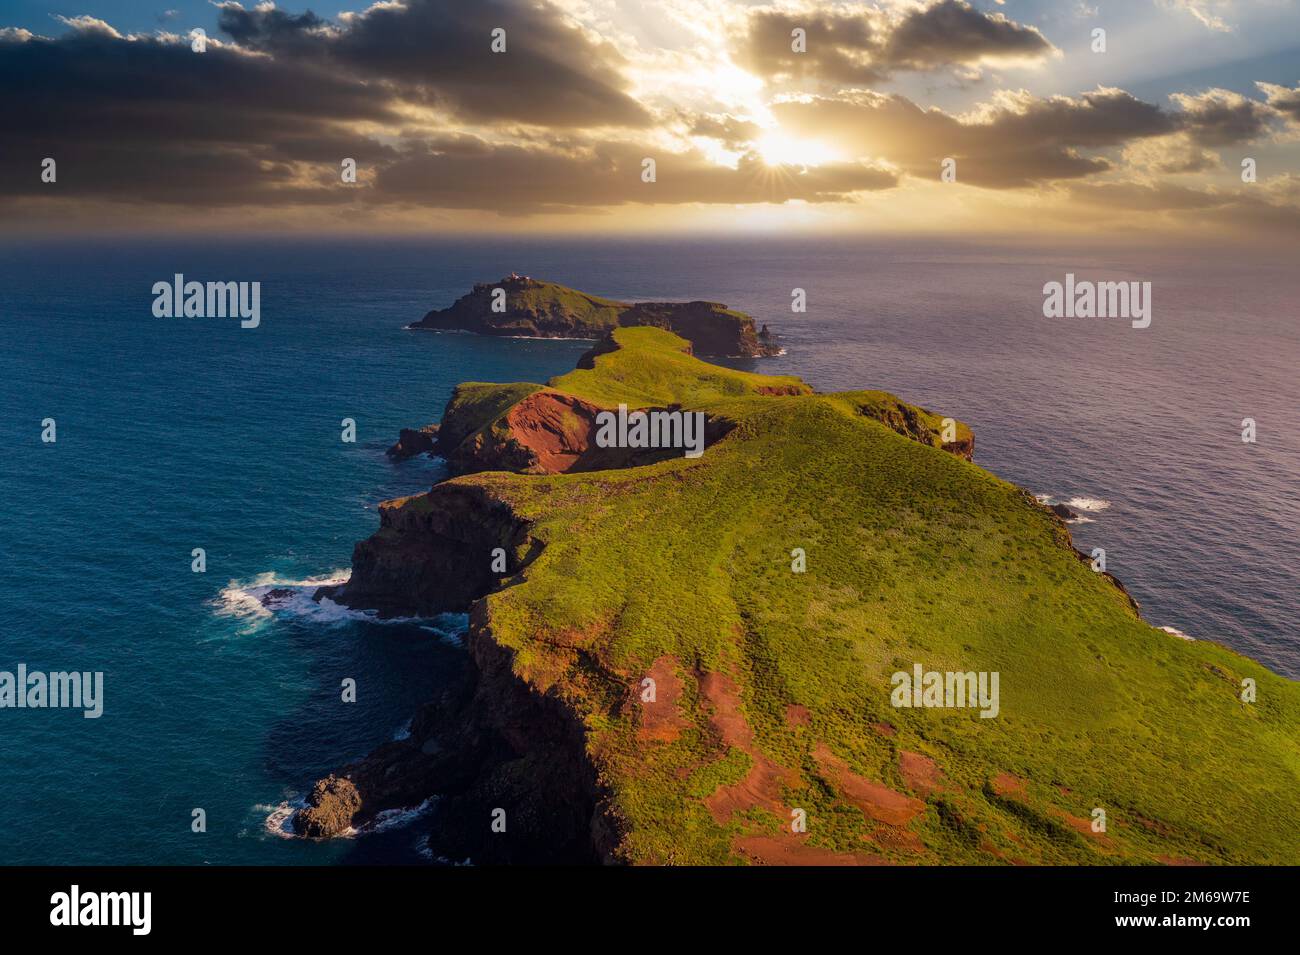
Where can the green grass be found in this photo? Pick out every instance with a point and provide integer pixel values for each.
(913, 555)
(592, 311)
(652, 368)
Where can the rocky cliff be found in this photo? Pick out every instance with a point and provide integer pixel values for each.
(521, 306)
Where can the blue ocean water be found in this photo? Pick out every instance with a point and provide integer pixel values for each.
(174, 434)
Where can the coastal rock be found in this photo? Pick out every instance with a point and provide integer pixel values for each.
(331, 807)
(537, 309)
(273, 598)
(1063, 512)
(413, 441)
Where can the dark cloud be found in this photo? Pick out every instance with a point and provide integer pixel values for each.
(953, 32)
(838, 50)
(1018, 142)
(1222, 118)
(864, 46)
(438, 52)
(147, 118)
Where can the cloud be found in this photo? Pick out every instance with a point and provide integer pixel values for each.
(1205, 11)
(1170, 155)
(1220, 117)
(953, 32)
(145, 118)
(856, 45)
(1285, 101)
(438, 53)
(1014, 141)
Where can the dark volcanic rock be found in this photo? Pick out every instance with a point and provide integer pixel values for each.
(435, 557)
(413, 441)
(279, 595)
(1063, 512)
(487, 743)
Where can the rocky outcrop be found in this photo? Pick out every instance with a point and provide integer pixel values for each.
(433, 553)
(413, 441)
(537, 309)
(331, 808)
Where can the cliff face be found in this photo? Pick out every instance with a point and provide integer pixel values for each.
(653, 679)
(536, 309)
(486, 744)
(433, 553)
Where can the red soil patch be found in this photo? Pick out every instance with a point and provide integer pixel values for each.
(790, 850)
(796, 715)
(557, 428)
(920, 772)
(1004, 784)
(762, 784)
(884, 729)
(1083, 827)
(876, 800)
(662, 720)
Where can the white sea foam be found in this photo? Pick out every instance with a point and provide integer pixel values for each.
(397, 818)
(279, 819)
(1091, 504)
(242, 601)
(1174, 631)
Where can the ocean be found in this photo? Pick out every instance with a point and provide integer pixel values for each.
(176, 434)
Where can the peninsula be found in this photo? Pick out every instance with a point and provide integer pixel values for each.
(679, 660)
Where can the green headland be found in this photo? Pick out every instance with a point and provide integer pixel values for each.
(719, 634)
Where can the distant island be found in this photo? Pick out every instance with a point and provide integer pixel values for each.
(524, 307)
(681, 660)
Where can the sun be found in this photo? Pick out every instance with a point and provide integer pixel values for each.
(780, 149)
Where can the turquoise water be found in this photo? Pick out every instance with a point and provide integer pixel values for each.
(183, 433)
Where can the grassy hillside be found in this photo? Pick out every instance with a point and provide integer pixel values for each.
(773, 687)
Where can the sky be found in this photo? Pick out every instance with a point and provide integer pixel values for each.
(1070, 117)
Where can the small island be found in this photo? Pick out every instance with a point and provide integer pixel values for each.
(520, 306)
(679, 660)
